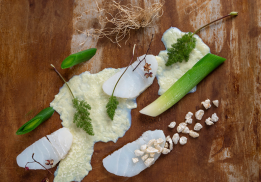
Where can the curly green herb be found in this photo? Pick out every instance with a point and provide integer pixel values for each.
(181, 50)
(82, 115)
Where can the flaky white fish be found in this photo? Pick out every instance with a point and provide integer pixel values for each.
(120, 162)
(53, 147)
(132, 82)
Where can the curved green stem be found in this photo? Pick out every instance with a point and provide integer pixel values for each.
(230, 14)
(124, 70)
(63, 80)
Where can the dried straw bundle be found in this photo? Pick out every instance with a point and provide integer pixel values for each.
(127, 17)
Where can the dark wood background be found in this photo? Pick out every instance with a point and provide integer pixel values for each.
(36, 33)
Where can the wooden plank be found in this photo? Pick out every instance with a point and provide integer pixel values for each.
(35, 34)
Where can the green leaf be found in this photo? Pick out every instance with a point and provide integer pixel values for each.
(180, 51)
(82, 116)
(78, 57)
(112, 106)
(36, 121)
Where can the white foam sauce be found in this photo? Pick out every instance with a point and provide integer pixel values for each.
(168, 75)
(88, 87)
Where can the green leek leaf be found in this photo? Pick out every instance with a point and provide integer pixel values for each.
(36, 121)
(78, 57)
(181, 87)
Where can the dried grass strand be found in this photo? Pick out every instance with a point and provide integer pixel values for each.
(128, 17)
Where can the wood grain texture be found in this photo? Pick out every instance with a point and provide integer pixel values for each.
(35, 34)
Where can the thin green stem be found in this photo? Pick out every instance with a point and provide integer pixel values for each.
(230, 14)
(63, 80)
(124, 70)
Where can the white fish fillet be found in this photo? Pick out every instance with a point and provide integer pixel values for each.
(120, 162)
(132, 83)
(55, 149)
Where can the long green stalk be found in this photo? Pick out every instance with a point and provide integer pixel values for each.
(181, 87)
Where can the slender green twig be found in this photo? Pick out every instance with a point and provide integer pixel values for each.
(63, 80)
(230, 14)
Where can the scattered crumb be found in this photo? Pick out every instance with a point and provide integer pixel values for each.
(209, 122)
(199, 114)
(172, 124)
(206, 104)
(183, 140)
(215, 102)
(193, 134)
(198, 127)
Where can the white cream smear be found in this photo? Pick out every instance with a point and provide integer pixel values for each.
(88, 87)
(168, 75)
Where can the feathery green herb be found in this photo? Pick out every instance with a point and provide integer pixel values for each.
(82, 115)
(113, 102)
(181, 50)
(112, 106)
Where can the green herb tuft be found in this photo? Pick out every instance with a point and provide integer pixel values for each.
(82, 116)
(112, 106)
(180, 51)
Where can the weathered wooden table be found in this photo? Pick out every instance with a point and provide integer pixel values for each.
(36, 33)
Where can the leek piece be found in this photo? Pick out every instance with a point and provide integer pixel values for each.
(181, 87)
(36, 121)
(78, 57)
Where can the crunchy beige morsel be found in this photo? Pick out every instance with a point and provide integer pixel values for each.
(144, 157)
(193, 134)
(206, 104)
(181, 127)
(143, 147)
(148, 162)
(138, 153)
(208, 121)
(165, 151)
(189, 115)
(135, 160)
(186, 130)
(151, 150)
(215, 102)
(198, 127)
(214, 117)
(199, 114)
(188, 121)
(183, 140)
(172, 124)
(168, 139)
(175, 138)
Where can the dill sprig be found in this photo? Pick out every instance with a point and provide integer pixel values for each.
(181, 50)
(113, 102)
(82, 115)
